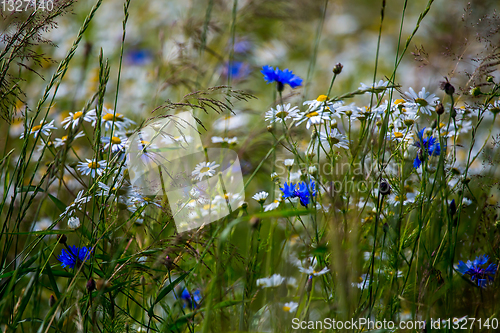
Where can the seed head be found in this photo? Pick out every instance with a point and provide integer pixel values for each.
(384, 187)
(90, 285)
(337, 69)
(62, 239)
(475, 92)
(440, 108)
(52, 301)
(447, 87)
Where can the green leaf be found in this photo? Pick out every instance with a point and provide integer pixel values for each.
(48, 271)
(26, 297)
(36, 189)
(57, 202)
(165, 290)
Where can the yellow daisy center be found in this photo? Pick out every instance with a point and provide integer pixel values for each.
(64, 138)
(333, 140)
(36, 128)
(398, 198)
(109, 117)
(204, 169)
(77, 115)
(287, 308)
(93, 165)
(321, 98)
(398, 135)
(311, 114)
(421, 101)
(409, 122)
(206, 207)
(399, 101)
(115, 140)
(282, 114)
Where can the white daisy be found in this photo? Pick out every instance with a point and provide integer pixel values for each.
(44, 128)
(290, 306)
(234, 199)
(289, 162)
(334, 138)
(76, 204)
(273, 205)
(117, 143)
(320, 104)
(74, 119)
(16, 127)
(376, 88)
(399, 135)
(351, 111)
(260, 196)
(231, 122)
(218, 139)
(59, 142)
(408, 118)
(109, 117)
(424, 102)
(43, 144)
(312, 170)
(494, 107)
(312, 118)
(92, 167)
(179, 140)
(204, 169)
(311, 271)
(137, 198)
(364, 281)
(111, 192)
(194, 193)
(274, 280)
(282, 113)
(73, 223)
(42, 225)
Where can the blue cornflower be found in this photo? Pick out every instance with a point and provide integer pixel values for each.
(237, 69)
(281, 77)
(74, 256)
(427, 146)
(193, 300)
(301, 191)
(479, 275)
(138, 57)
(288, 190)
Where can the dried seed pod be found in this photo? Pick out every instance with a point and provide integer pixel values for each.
(384, 187)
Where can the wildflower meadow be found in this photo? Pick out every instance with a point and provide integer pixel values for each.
(249, 166)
